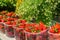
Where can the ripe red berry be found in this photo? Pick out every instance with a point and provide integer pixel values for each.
(9, 14)
(14, 23)
(59, 31)
(2, 20)
(1, 17)
(10, 19)
(22, 21)
(27, 25)
(27, 29)
(57, 25)
(8, 22)
(21, 26)
(52, 30)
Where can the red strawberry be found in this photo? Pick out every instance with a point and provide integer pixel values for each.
(12, 19)
(44, 28)
(27, 29)
(2, 20)
(36, 28)
(59, 31)
(52, 30)
(27, 25)
(21, 26)
(42, 25)
(9, 19)
(37, 25)
(22, 21)
(57, 25)
(41, 28)
(8, 22)
(1, 26)
(14, 23)
(1, 17)
(9, 14)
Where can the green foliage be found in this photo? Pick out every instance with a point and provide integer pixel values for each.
(56, 12)
(46, 11)
(40, 10)
(7, 4)
(28, 7)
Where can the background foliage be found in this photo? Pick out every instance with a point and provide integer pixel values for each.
(38, 10)
(56, 12)
(9, 5)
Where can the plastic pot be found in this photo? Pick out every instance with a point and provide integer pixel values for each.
(43, 35)
(9, 30)
(2, 27)
(19, 33)
(53, 36)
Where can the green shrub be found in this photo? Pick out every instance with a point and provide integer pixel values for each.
(37, 10)
(7, 5)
